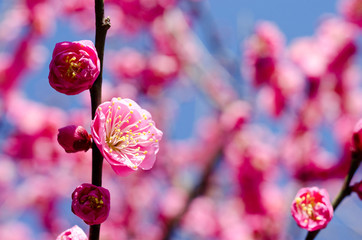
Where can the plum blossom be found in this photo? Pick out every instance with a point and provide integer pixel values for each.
(74, 67)
(91, 203)
(74, 139)
(126, 135)
(312, 209)
(74, 233)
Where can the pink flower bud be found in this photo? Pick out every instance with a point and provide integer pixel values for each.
(357, 136)
(91, 203)
(74, 139)
(126, 135)
(357, 188)
(311, 208)
(74, 67)
(74, 233)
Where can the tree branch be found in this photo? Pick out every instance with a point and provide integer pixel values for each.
(102, 26)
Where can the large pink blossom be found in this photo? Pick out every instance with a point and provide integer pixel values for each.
(74, 233)
(126, 135)
(74, 67)
(312, 209)
(91, 203)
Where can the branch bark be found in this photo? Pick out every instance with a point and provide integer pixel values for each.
(102, 26)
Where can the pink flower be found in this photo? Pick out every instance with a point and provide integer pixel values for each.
(74, 233)
(74, 67)
(74, 139)
(312, 209)
(357, 188)
(262, 51)
(91, 203)
(126, 135)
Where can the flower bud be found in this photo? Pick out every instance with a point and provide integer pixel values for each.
(74, 67)
(74, 139)
(91, 203)
(74, 233)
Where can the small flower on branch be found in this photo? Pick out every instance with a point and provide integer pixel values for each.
(74, 67)
(126, 135)
(91, 203)
(74, 139)
(74, 233)
(311, 208)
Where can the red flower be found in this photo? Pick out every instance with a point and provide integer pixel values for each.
(91, 203)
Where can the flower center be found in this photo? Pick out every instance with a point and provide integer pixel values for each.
(74, 67)
(95, 202)
(306, 205)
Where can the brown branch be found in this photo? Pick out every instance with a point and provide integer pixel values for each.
(102, 26)
(345, 190)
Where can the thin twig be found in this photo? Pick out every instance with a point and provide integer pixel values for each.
(102, 26)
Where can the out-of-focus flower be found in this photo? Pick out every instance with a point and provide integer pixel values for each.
(337, 39)
(262, 51)
(160, 70)
(309, 56)
(235, 115)
(74, 67)
(352, 11)
(357, 188)
(128, 63)
(91, 203)
(126, 135)
(311, 208)
(74, 233)
(74, 139)
(357, 136)
(12, 68)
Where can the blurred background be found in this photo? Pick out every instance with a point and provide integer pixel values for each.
(256, 99)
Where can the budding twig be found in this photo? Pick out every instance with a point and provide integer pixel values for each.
(102, 26)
